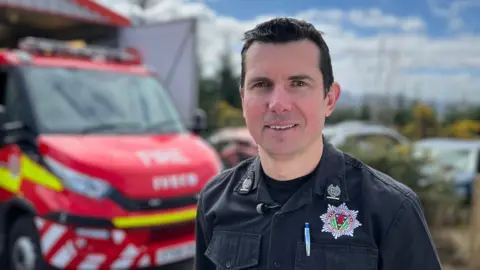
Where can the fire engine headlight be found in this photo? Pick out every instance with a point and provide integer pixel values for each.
(78, 182)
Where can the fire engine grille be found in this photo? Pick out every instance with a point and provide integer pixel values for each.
(152, 203)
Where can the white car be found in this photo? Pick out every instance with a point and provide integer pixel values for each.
(456, 158)
(363, 134)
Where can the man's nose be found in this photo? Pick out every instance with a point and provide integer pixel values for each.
(279, 100)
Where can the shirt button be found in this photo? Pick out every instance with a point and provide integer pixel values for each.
(276, 264)
(228, 264)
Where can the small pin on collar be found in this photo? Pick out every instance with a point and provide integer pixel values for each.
(246, 186)
(333, 192)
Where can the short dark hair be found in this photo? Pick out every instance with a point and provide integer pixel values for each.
(284, 30)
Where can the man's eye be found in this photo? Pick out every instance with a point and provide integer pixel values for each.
(298, 83)
(260, 85)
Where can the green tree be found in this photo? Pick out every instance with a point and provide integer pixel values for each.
(342, 114)
(403, 116)
(466, 129)
(454, 114)
(475, 113)
(365, 114)
(457, 114)
(425, 123)
(228, 116)
(228, 80)
(209, 96)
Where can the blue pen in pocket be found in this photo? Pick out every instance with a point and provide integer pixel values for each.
(307, 238)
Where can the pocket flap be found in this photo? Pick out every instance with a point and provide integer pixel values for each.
(336, 256)
(234, 250)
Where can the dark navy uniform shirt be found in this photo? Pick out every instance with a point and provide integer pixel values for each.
(359, 219)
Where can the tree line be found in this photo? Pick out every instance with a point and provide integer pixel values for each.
(420, 120)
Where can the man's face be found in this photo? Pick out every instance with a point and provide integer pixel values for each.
(283, 99)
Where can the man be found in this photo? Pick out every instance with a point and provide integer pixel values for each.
(302, 204)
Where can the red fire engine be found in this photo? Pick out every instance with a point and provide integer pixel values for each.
(98, 171)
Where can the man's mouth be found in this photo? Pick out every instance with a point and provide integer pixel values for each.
(281, 127)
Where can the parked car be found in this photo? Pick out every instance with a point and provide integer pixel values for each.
(364, 134)
(458, 159)
(234, 145)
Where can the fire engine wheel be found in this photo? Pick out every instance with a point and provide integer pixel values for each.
(24, 246)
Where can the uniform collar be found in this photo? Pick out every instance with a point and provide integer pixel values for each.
(329, 180)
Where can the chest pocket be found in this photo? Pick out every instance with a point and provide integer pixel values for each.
(337, 257)
(234, 250)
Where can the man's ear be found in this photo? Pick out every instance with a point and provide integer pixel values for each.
(240, 89)
(332, 98)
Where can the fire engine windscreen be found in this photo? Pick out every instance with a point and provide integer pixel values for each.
(97, 101)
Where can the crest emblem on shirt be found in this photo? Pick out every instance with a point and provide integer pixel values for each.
(340, 221)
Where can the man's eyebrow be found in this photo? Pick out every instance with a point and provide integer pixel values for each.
(259, 79)
(300, 77)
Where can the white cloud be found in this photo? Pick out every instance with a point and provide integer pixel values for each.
(360, 63)
(451, 11)
(376, 18)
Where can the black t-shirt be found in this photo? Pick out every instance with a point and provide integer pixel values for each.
(281, 191)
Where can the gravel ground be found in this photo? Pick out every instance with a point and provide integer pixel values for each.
(447, 267)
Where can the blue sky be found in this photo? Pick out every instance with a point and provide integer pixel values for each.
(428, 49)
(444, 24)
(437, 25)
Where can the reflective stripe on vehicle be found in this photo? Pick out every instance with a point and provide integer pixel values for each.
(29, 171)
(92, 262)
(65, 252)
(127, 258)
(156, 219)
(35, 173)
(51, 236)
(64, 256)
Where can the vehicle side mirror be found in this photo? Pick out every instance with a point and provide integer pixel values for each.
(199, 121)
(3, 122)
(10, 132)
(3, 116)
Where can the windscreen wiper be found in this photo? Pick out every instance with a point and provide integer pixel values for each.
(110, 126)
